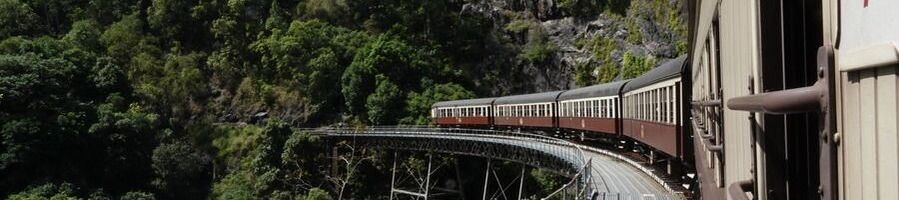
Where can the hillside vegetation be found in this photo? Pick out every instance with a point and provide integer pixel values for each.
(187, 99)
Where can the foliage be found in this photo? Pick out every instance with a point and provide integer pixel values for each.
(16, 18)
(385, 104)
(633, 66)
(518, 25)
(538, 50)
(418, 105)
(178, 166)
(384, 55)
(138, 99)
(47, 191)
(316, 194)
(607, 73)
(85, 33)
(546, 180)
(634, 34)
(125, 39)
(138, 196)
(583, 74)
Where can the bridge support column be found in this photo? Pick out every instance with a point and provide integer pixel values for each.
(486, 179)
(428, 179)
(521, 181)
(393, 176)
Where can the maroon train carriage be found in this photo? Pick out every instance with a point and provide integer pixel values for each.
(653, 112)
(593, 111)
(468, 112)
(536, 111)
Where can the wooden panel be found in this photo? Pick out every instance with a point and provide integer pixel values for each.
(888, 182)
(868, 125)
(869, 152)
(851, 152)
(739, 50)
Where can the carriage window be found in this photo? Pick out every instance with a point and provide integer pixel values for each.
(578, 109)
(584, 108)
(664, 103)
(607, 108)
(639, 101)
(647, 106)
(655, 104)
(591, 108)
(614, 108)
(531, 110)
(602, 109)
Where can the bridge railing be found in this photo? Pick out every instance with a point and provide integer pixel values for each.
(580, 186)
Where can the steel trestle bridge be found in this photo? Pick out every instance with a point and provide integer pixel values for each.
(594, 173)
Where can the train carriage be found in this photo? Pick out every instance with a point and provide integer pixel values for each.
(795, 99)
(468, 112)
(594, 109)
(652, 109)
(536, 111)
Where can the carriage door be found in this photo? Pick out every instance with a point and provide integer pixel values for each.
(791, 103)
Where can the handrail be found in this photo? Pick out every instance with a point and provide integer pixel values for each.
(797, 100)
(820, 97)
(580, 182)
(738, 190)
(709, 103)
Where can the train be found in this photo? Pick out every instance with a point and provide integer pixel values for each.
(782, 99)
(647, 112)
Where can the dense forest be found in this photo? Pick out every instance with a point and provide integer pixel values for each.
(192, 99)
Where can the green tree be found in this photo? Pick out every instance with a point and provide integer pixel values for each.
(86, 34)
(385, 105)
(384, 55)
(172, 17)
(125, 39)
(63, 191)
(300, 160)
(128, 136)
(634, 66)
(607, 73)
(418, 104)
(317, 194)
(138, 196)
(16, 18)
(179, 168)
(583, 74)
(170, 87)
(538, 50)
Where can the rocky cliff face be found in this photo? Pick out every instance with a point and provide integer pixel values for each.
(556, 43)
